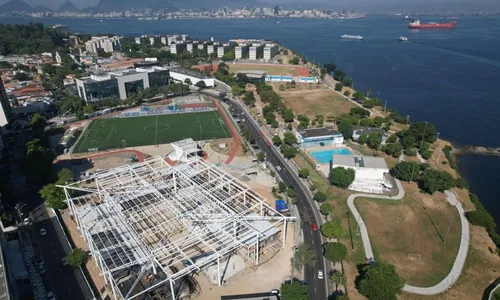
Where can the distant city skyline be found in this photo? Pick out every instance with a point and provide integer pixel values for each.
(360, 5)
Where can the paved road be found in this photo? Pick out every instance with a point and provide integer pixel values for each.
(458, 265)
(317, 288)
(59, 279)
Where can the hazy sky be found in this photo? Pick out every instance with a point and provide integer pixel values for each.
(360, 5)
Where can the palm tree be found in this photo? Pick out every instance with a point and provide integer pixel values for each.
(338, 278)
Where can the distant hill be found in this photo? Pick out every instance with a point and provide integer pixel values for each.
(41, 8)
(15, 5)
(67, 7)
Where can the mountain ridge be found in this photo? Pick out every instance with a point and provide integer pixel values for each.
(67, 7)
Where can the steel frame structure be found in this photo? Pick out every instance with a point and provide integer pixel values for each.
(150, 220)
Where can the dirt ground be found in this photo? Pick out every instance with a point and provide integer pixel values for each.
(314, 101)
(410, 233)
(278, 70)
(254, 279)
(229, 147)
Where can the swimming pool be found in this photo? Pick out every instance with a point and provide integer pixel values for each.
(325, 156)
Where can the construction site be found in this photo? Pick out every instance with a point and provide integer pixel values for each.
(151, 227)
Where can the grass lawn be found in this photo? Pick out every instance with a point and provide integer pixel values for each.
(270, 69)
(113, 133)
(313, 101)
(409, 234)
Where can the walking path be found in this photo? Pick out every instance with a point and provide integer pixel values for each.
(458, 265)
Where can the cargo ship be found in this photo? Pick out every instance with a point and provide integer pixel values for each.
(417, 25)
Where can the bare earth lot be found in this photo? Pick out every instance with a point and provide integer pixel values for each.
(410, 233)
(278, 70)
(313, 101)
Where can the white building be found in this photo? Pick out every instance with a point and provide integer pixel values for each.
(138, 40)
(212, 48)
(177, 48)
(164, 40)
(256, 51)
(181, 74)
(222, 50)
(240, 51)
(270, 51)
(314, 137)
(184, 150)
(107, 44)
(371, 172)
(172, 39)
(191, 46)
(201, 46)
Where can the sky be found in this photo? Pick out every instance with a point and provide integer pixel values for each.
(359, 5)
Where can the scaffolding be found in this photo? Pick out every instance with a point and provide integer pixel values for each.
(149, 223)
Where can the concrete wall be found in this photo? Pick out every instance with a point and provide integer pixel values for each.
(132, 77)
(182, 77)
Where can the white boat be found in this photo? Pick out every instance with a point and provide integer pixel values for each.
(403, 39)
(352, 37)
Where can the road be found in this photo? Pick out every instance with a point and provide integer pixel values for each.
(317, 287)
(59, 279)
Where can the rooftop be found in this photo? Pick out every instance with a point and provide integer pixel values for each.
(253, 73)
(359, 161)
(190, 72)
(315, 132)
(367, 130)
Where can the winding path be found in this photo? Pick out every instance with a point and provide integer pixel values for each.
(458, 265)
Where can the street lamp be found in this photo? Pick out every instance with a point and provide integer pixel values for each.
(439, 151)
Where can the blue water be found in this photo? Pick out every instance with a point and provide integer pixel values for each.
(325, 156)
(447, 77)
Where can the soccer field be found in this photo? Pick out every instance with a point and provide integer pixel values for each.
(113, 133)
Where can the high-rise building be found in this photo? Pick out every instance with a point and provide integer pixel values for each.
(270, 50)
(241, 51)
(107, 44)
(177, 48)
(6, 115)
(256, 51)
(276, 10)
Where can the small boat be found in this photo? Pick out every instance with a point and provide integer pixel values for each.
(403, 39)
(352, 37)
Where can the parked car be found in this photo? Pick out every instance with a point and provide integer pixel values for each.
(314, 226)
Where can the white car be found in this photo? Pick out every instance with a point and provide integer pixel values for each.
(51, 296)
(320, 274)
(278, 168)
(27, 221)
(43, 232)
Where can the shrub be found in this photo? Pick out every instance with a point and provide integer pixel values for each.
(406, 171)
(461, 183)
(432, 181)
(426, 154)
(325, 208)
(335, 252)
(320, 197)
(410, 152)
(332, 229)
(342, 177)
(380, 281)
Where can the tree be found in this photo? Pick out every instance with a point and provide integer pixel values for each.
(294, 60)
(406, 170)
(394, 149)
(347, 94)
(64, 175)
(290, 138)
(335, 252)
(319, 196)
(347, 82)
(21, 76)
(188, 81)
(342, 177)
(261, 156)
(359, 96)
(88, 109)
(362, 139)
(37, 162)
(281, 186)
(325, 209)
(304, 173)
(289, 152)
(421, 129)
(76, 257)
(373, 141)
(361, 112)
(276, 140)
(338, 278)
(294, 290)
(481, 217)
(332, 229)
(330, 67)
(339, 75)
(38, 124)
(380, 281)
(346, 129)
(434, 180)
(201, 84)
(392, 139)
(339, 87)
(54, 196)
(288, 116)
(304, 256)
(249, 99)
(223, 69)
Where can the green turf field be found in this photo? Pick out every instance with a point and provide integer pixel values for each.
(113, 133)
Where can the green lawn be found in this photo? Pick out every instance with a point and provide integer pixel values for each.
(113, 133)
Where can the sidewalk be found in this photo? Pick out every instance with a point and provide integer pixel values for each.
(82, 280)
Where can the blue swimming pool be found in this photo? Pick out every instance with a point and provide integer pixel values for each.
(325, 156)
